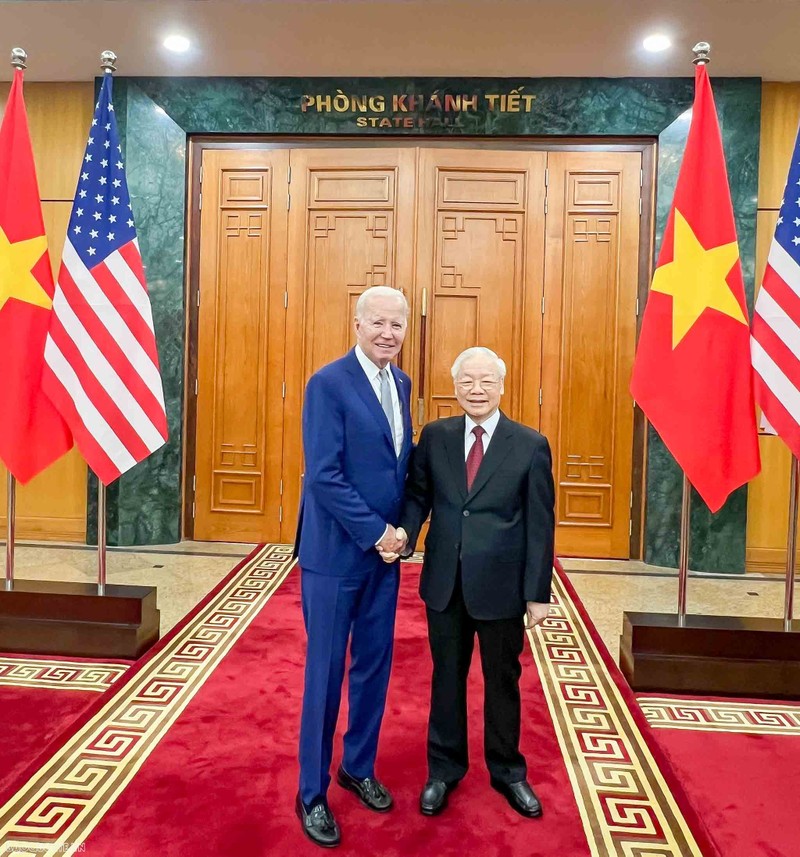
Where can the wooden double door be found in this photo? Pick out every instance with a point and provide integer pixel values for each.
(534, 254)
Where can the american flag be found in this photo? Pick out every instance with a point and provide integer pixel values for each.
(775, 341)
(102, 368)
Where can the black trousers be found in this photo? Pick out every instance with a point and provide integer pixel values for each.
(451, 634)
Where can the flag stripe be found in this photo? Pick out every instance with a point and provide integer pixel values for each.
(779, 420)
(133, 259)
(106, 276)
(101, 464)
(112, 321)
(106, 406)
(97, 334)
(776, 380)
(105, 373)
(88, 413)
(772, 329)
(784, 266)
(777, 291)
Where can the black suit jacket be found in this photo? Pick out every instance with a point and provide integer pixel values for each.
(502, 531)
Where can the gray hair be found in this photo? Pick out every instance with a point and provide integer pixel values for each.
(378, 292)
(478, 351)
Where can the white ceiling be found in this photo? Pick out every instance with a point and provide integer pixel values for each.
(343, 38)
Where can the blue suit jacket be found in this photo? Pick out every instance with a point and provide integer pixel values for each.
(354, 481)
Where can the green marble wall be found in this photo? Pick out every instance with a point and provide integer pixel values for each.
(159, 113)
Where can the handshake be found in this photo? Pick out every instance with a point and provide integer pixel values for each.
(392, 544)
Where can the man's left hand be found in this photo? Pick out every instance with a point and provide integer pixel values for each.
(536, 614)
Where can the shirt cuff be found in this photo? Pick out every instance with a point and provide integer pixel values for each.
(385, 532)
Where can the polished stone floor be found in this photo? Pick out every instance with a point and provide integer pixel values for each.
(185, 572)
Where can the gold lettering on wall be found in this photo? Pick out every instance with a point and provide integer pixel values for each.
(415, 110)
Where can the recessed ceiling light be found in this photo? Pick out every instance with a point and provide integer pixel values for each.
(657, 42)
(178, 44)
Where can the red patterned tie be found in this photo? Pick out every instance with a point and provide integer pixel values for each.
(475, 456)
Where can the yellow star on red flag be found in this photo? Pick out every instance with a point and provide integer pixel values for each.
(696, 279)
(693, 377)
(17, 262)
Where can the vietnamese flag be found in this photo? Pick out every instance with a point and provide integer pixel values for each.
(32, 433)
(692, 375)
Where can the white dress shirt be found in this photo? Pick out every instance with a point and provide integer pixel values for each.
(372, 371)
(488, 425)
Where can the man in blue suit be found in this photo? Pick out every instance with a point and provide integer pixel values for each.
(356, 442)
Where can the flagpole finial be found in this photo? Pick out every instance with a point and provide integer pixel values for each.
(701, 53)
(108, 62)
(19, 59)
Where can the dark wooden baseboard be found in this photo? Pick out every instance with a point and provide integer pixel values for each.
(722, 655)
(58, 618)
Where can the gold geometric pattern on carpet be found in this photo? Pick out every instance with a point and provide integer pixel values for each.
(54, 812)
(55, 674)
(626, 806)
(700, 715)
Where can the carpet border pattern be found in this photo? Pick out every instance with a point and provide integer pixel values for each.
(57, 809)
(625, 803)
(713, 715)
(57, 674)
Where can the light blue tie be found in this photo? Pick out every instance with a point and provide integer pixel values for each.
(386, 402)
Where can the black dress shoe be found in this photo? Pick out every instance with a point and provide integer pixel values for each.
(318, 824)
(434, 796)
(370, 792)
(521, 797)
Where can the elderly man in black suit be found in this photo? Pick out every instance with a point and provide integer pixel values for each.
(487, 482)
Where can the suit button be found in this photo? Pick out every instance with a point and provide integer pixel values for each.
(466, 513)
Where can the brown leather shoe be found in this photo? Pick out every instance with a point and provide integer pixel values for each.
(520, 796)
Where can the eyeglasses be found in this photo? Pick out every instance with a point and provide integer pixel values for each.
(485, 384)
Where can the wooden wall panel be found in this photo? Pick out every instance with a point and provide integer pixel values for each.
(52, 506)
(591, 284)
(59, 116)
(241, 331)
(780, 112)
(479, 266)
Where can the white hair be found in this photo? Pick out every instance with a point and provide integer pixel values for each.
(478, 351)
(378, 292)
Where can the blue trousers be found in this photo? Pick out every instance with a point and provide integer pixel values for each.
(337, 609)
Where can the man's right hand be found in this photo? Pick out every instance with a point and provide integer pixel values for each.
(393, 543)
(393, 540)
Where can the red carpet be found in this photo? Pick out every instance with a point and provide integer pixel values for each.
(739, 763)
(196, 752)
(226, 774)
(41, 698)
